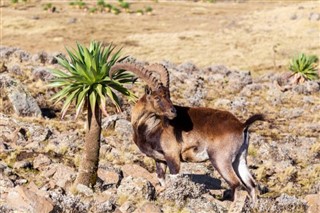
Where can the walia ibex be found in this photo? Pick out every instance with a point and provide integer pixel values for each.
(173, 134)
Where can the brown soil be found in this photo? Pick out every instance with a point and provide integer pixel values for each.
(254, 35)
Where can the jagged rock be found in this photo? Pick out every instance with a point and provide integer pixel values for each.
(136, 189)
(22, 55)
(5, 183)
(110, 121)
(15, 69)
(68, 203)
(6, 52)
(137, 171)
(62, 175)
(22, 101)
(24, 200)
(41, 161)
(180, 188)
(307, 87)
(123, 128)
(196, 93)
(41, 73)
(105, 207)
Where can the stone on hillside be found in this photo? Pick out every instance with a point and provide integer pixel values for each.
(68, 203)
(41, 73)
(313, 202)
(15, 69)
(63, 175)
(123, 128)
(22, 101)
(180, 188)
(110, 121)
(289, 203)
(314, 16)
(21, 55)
(41, 161)
(23, 199)
(148, 207)
(84, 190)
(187, 67)
(226, 79)
(128, 207)
(203, 205)
(105, 207)
(24, 164)
(135, 189)
(307, 87)
(110, 177)
(137, 171)
(6, 52)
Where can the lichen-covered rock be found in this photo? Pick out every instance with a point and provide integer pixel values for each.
(202, 205)
(283, 203)
(68, 203)
(22, 101)
(124, 128)
(41, 73)
(136, 189)
(179, 188)
(105, 207)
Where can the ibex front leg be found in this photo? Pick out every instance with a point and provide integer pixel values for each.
(161, 172)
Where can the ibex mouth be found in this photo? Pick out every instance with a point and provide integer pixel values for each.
(172, 114)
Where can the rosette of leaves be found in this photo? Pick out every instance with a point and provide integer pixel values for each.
(85, 81)
(304, 67)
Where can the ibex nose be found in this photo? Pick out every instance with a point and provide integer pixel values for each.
(173, 111)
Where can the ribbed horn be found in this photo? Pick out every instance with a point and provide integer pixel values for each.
(162, 70)
(140, 71)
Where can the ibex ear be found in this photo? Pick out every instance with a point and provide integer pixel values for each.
(147, 90)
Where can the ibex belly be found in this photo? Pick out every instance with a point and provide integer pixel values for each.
(194, 150)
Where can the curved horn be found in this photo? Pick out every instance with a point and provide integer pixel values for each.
(162, 70)
(140, 71)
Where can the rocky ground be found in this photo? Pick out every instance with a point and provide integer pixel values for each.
(40, 154)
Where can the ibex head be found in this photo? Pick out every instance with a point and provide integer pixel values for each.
(157, 94)
(158, 101)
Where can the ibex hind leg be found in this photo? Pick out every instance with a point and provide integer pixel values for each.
(242, 170)
(224, 167)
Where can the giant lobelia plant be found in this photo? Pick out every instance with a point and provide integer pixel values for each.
(85, 81)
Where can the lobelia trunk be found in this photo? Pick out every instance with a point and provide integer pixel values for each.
(88, 168)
